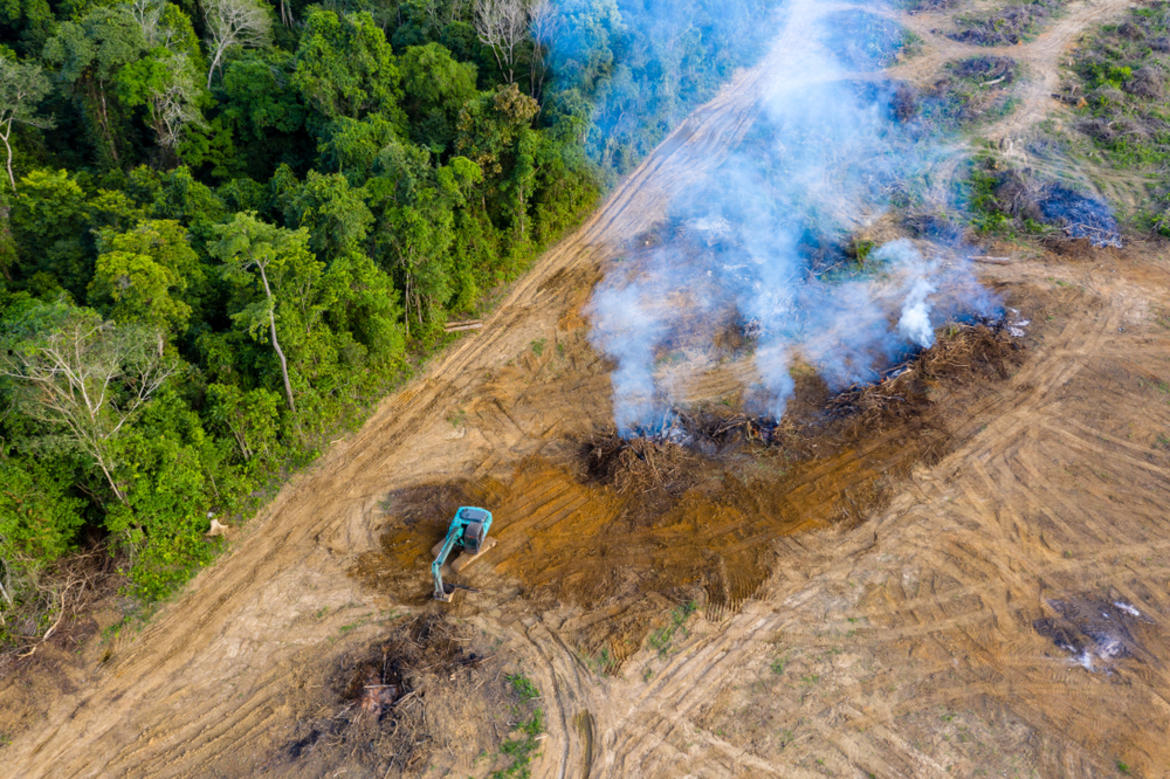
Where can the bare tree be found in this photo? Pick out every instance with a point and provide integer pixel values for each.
(261, 264)
(174, 107)
(88, 378)
(22, 87)
(246, 245)
(543, 26)
(502, 26)
(173, 104)
(234, 24)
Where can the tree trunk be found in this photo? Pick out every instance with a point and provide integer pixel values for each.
(214, 62)
(275, 343)
(8, 147)
(110, 478)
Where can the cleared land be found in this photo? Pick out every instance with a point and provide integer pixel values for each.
(975, 580)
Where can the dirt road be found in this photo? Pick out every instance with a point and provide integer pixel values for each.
(948, 630)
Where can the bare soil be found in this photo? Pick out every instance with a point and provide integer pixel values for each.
(910, 582)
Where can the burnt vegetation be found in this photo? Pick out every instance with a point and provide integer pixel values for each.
(1006, 26)
(663, 459)
(1006, 199)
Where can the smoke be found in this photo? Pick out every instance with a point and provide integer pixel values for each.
(767, 242)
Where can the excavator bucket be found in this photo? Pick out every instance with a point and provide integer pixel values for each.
(448, 593)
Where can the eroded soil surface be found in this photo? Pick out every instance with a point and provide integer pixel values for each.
(965, 569)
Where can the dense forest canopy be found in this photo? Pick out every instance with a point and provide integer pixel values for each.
(228, 226)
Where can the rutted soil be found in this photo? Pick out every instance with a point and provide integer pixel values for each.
(908, 597)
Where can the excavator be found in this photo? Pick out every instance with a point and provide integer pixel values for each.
(468, 531)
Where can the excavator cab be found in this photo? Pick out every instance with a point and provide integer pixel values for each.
(468, 531)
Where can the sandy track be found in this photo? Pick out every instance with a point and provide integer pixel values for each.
(907, 644)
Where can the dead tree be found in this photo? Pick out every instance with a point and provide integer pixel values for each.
(22, 87)
(234, 24)
(502, 26)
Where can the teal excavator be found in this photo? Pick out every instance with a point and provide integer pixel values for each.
(468, 531)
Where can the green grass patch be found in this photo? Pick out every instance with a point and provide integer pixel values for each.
(663, 638)
(522, 746)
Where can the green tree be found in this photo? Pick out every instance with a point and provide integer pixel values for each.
(22, 87)
(49, 221)
(249, 417)
(141, 275)
(38, 525)
(344, 67)
(254, 251)
(82, 377)
(174, 472)
(88, 55)
(436, 88)
(333, 212)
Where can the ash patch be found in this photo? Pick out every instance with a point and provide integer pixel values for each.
(1080, 215)
(1096, 632)
(1024, 196)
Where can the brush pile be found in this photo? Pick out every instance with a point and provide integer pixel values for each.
(378, 712)
(665, 458)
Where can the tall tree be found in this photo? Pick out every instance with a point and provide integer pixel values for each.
(502, 25)
(22, 87)
(254, 250)
(234, 24)
(88, 54)
(84, 377)
(344, 67)
(141, 274)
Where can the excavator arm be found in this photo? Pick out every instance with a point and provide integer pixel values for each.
(454, 533)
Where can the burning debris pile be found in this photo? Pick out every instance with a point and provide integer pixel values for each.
(666, 454)
(764, 242)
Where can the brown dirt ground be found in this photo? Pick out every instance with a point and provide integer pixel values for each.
(890, 600)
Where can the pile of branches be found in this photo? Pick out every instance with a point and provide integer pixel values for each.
(638, 464)
(379, 715)
(49, 602)
(985, 349)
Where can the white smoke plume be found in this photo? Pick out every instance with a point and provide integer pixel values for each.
(827, 156)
